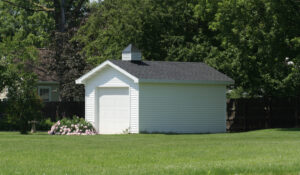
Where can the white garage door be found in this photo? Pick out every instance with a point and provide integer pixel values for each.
(113, 110)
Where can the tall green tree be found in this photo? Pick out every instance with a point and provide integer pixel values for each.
(22, 30)
(249, 41)
(70, 64)
(256, 38)
(27, 25)
(163, 30)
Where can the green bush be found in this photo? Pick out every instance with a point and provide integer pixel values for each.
(44, 125)
(7, 124)
(24, 105)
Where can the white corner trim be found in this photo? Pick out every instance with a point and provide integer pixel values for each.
(82, 79)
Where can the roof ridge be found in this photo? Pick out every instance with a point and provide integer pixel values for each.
(161, 61)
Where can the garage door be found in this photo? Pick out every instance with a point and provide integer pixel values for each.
(113, 110)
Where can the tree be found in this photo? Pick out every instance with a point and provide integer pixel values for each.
(248, 41)
(255, 39)
(163, 30)
(69, 64)
(24, 105)
(46, 23)
(22, 30)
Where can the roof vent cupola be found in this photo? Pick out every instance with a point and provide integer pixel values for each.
(131, 53)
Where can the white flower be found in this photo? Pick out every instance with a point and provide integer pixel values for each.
(290, 63)
(287, 58)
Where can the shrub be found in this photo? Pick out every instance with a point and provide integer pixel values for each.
(75, 126)
(44, 125)
(6, 124)
(24, 104)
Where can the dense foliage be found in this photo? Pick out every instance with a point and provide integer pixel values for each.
(21, 32)
(26, 26)
(256, 38)
(256, 43)
(250, 41)
(24, 105)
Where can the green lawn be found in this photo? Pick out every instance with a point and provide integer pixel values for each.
(275, 151)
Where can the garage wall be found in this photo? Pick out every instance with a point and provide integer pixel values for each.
(109, 77)
(182, 108)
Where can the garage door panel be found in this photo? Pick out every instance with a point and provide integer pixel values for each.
(113, 110)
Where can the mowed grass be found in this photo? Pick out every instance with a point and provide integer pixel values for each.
(274, 151)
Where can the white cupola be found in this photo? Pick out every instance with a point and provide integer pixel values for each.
(131, 53)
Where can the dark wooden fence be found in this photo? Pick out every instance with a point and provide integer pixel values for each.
(52, 110)
(55, 110)
(58, 110)
(260, 113)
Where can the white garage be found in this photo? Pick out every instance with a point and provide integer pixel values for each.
(135, 96)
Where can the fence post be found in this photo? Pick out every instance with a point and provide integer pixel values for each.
(267, 111)
(233, 113)
(245, 114)
(270, 112)
(296, 111)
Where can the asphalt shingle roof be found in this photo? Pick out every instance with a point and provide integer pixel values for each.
(164, 70)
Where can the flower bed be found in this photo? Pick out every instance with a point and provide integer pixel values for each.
(75, 126)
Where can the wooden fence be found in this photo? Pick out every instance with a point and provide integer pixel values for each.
(55, 110)
(58, 110)
(52, 110)
(260, 113)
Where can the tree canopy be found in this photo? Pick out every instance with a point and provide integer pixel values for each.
(256, 43)
(26, 26)
(21, 32)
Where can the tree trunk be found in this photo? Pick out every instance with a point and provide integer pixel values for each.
(59, 15)
(63, 16)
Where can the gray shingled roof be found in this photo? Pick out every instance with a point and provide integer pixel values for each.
(164, 70)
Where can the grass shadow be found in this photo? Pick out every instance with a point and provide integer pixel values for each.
(175, 133)
(288, 129)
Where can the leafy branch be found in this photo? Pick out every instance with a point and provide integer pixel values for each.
(39, 6)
